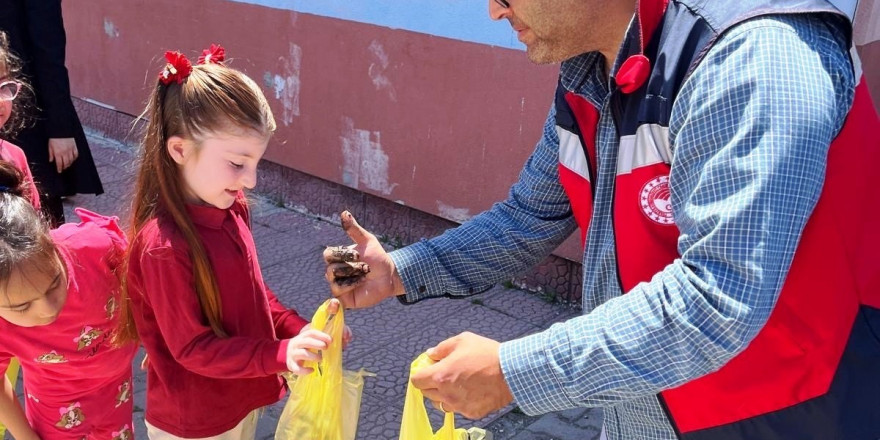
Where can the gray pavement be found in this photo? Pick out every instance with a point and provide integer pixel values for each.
(386, 337)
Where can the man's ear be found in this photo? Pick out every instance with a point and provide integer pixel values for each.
(178, 148)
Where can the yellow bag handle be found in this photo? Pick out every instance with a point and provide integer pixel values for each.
(334, 329)
(415, 424)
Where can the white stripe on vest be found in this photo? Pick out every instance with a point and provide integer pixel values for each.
(649, 146)
(571, 153)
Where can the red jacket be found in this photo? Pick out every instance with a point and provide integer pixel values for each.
(200, 385)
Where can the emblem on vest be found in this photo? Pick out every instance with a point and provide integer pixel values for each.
(654, 199)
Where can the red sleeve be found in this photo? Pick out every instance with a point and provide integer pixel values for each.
(17, 157)
(287, 322)
(161, 281)
(5, 359)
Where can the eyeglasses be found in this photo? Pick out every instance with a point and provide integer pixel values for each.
(504, 4)
(9, 90)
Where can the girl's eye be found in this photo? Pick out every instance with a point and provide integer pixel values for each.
(236, 165)
(23, 309)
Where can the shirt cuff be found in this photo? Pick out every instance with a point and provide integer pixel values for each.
(531, 375)
(275, 357)
(419, 271)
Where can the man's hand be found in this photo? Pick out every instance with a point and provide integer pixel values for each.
(361, 275)
(63, 152)
(466, 377)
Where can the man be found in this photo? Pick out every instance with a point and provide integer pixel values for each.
(730, 285)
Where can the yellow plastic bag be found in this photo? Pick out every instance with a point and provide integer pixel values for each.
(325, 404)
(415, 425)
(12, 374)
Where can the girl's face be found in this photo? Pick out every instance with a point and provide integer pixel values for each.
(214, 169)
(5, 105)
(34, 293)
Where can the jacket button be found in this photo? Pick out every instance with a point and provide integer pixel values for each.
(422, 289)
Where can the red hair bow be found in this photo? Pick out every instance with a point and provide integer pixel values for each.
(215, 54)
(177, 69)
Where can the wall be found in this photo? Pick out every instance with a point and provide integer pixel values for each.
(422, 103)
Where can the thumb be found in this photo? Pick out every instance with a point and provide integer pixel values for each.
(443, 349)
(351, 227)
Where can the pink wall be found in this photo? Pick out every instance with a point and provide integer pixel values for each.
(437, 124)
(442, 125)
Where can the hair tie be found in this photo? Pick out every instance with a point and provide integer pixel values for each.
(176, 70)
(215, 54)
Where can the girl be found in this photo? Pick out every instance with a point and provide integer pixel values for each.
(12, 86)
(58, 296)
(215, 335)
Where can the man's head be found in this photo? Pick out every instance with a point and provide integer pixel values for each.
(556, 30)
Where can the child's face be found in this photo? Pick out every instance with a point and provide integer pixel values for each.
(219, 166)
(5, 106)
(34, 293)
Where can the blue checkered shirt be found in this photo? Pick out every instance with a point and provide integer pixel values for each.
(750, 131)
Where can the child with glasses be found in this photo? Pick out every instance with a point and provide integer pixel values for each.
(11, 115)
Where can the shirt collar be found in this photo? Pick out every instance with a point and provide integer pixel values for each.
(584, 74)
(208, 216)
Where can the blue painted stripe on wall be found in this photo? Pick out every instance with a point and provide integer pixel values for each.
(466, 20)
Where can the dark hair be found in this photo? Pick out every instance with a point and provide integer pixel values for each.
(213, 99)
(24, 102)
(23, 232)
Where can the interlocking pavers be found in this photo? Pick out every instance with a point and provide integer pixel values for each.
(387, 336)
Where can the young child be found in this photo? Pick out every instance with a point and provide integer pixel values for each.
(12, 86)
(58, 295)
(215, 335)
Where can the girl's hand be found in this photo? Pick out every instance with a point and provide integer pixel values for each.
(304, 347)
(63, 152)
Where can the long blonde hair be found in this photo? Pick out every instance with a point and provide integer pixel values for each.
(213, 99)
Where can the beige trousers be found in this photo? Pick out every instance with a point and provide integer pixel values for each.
(245, 430)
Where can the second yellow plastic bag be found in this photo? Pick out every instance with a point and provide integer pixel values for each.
(415, 424)
(324, 404)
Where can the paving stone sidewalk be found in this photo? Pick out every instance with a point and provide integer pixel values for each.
(386, 337)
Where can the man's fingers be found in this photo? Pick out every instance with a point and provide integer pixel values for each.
(351, 227)
(346, 270)
(426, 379)
(340, 254)
(443, 349)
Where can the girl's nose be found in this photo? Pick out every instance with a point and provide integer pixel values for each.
(249, 178)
